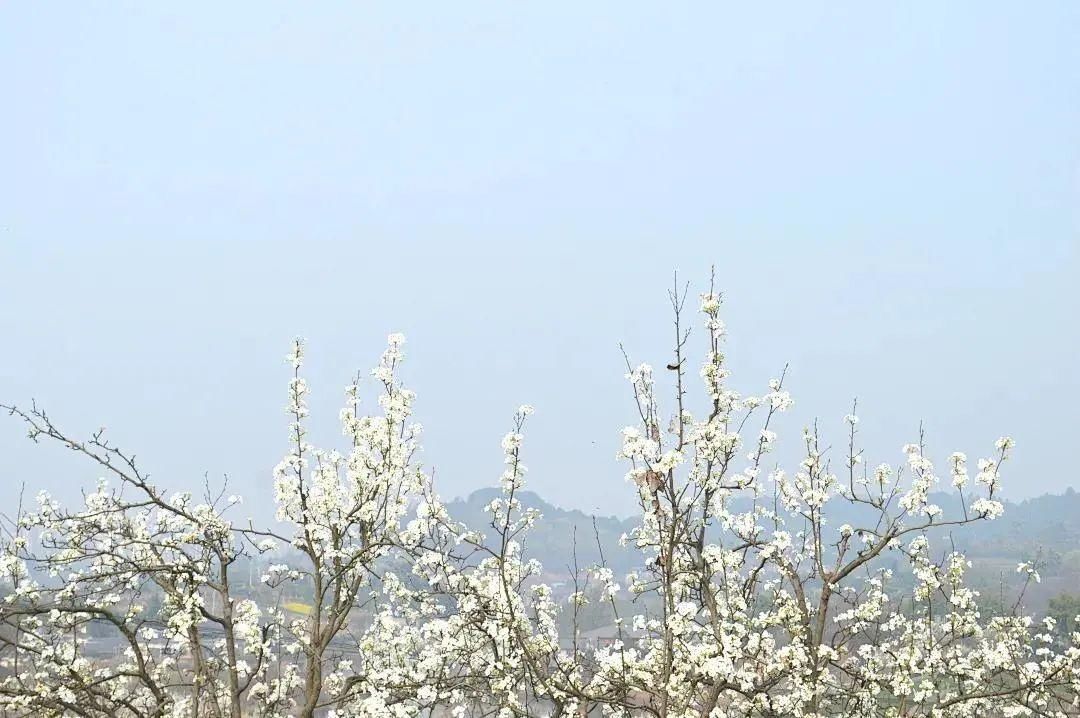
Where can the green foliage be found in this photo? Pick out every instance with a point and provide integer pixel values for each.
(1065, 610)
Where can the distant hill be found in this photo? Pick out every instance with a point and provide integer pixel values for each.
(1051, 521)
(1048, 525)
(552, 540)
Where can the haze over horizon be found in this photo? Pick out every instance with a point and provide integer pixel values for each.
(889, 196)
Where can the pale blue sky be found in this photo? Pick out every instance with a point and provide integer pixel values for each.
(890, 196)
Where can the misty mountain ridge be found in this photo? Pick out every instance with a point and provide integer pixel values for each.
(1046, 526)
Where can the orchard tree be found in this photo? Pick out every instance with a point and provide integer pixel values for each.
(765, 608)
(748, 600)
(343, 514)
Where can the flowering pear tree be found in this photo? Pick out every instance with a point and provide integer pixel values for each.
(762, 607)
(207, 650)
(751, 598)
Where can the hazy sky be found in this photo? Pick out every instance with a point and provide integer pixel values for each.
(889, 194)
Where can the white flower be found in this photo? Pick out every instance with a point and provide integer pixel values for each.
(710, 304)
(1030, 570)
(987, 507)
